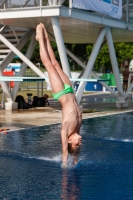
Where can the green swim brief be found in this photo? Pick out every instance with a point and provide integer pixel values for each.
(67, 89)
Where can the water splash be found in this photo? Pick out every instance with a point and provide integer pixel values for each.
(54, 159)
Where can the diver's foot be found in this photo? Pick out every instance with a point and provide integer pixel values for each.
(39, 32)
(45, 31)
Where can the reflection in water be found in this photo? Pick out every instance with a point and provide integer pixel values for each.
(70, 186)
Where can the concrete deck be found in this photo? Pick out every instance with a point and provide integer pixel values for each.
(94, 105)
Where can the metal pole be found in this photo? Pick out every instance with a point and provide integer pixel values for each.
(50, 2)
(24, 65)
(70, 7)
(61, 46)
(114, 63)
(127, 10)
(70, 3)
(40, 3)
(38, 88)
(9, 3)
(42, 89)
(54, 2)
(129, 89)
(2, 28)
(20, 55)
(14, 34)
(90, 64)
(3, 100)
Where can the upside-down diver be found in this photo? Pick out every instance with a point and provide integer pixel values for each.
(64, 93)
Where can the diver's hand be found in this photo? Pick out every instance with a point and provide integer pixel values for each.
(64, 165)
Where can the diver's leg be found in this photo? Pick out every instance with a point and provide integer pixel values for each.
(62, 75)
(55, 80)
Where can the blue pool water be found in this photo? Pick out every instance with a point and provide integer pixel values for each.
(30, 162)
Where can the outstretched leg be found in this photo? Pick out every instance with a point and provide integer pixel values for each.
(55, 80)
(63, 76)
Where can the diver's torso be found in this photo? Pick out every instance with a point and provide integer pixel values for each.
(71, 114)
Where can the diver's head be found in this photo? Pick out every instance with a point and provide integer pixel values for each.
(74, 143)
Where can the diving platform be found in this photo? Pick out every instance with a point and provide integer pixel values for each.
(65, 24)
(35, 79)
(77, 26)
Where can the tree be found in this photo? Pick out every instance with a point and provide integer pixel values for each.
(124, 51)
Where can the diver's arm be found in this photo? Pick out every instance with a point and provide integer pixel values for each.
(64, 139)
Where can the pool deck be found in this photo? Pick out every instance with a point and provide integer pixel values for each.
(94, 105)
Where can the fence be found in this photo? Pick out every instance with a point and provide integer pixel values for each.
(32, 85)
(34, 3)
(7, 4)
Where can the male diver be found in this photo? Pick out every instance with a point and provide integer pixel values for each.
(63, 92)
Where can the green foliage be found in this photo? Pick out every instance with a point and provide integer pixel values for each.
(103, 59)
(80, 51)
(45, 2)
(66, 3)
(124, 51)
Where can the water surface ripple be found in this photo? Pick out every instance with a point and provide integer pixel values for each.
(30, 162)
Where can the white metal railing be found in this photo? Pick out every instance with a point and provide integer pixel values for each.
(127, 6)
(125, 1)
(8, 4)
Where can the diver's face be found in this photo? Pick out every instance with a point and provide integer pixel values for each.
(75, 140)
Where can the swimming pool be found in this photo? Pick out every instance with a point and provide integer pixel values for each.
(30, 162)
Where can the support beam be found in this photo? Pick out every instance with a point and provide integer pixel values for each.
(114, 64)
(61, 46)
(24, 66)
(90, 63)
(19, 46)
(92, 73)
(84, 66)
(18, 53)
(129, 89)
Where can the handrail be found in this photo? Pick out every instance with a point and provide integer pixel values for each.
(3, 3)
(14, 33)
(2, 28)
(25, 3)
(39, 3)
(20, 4)
(50, 3)
(70, 4)
(126, 6)
(127, 9)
